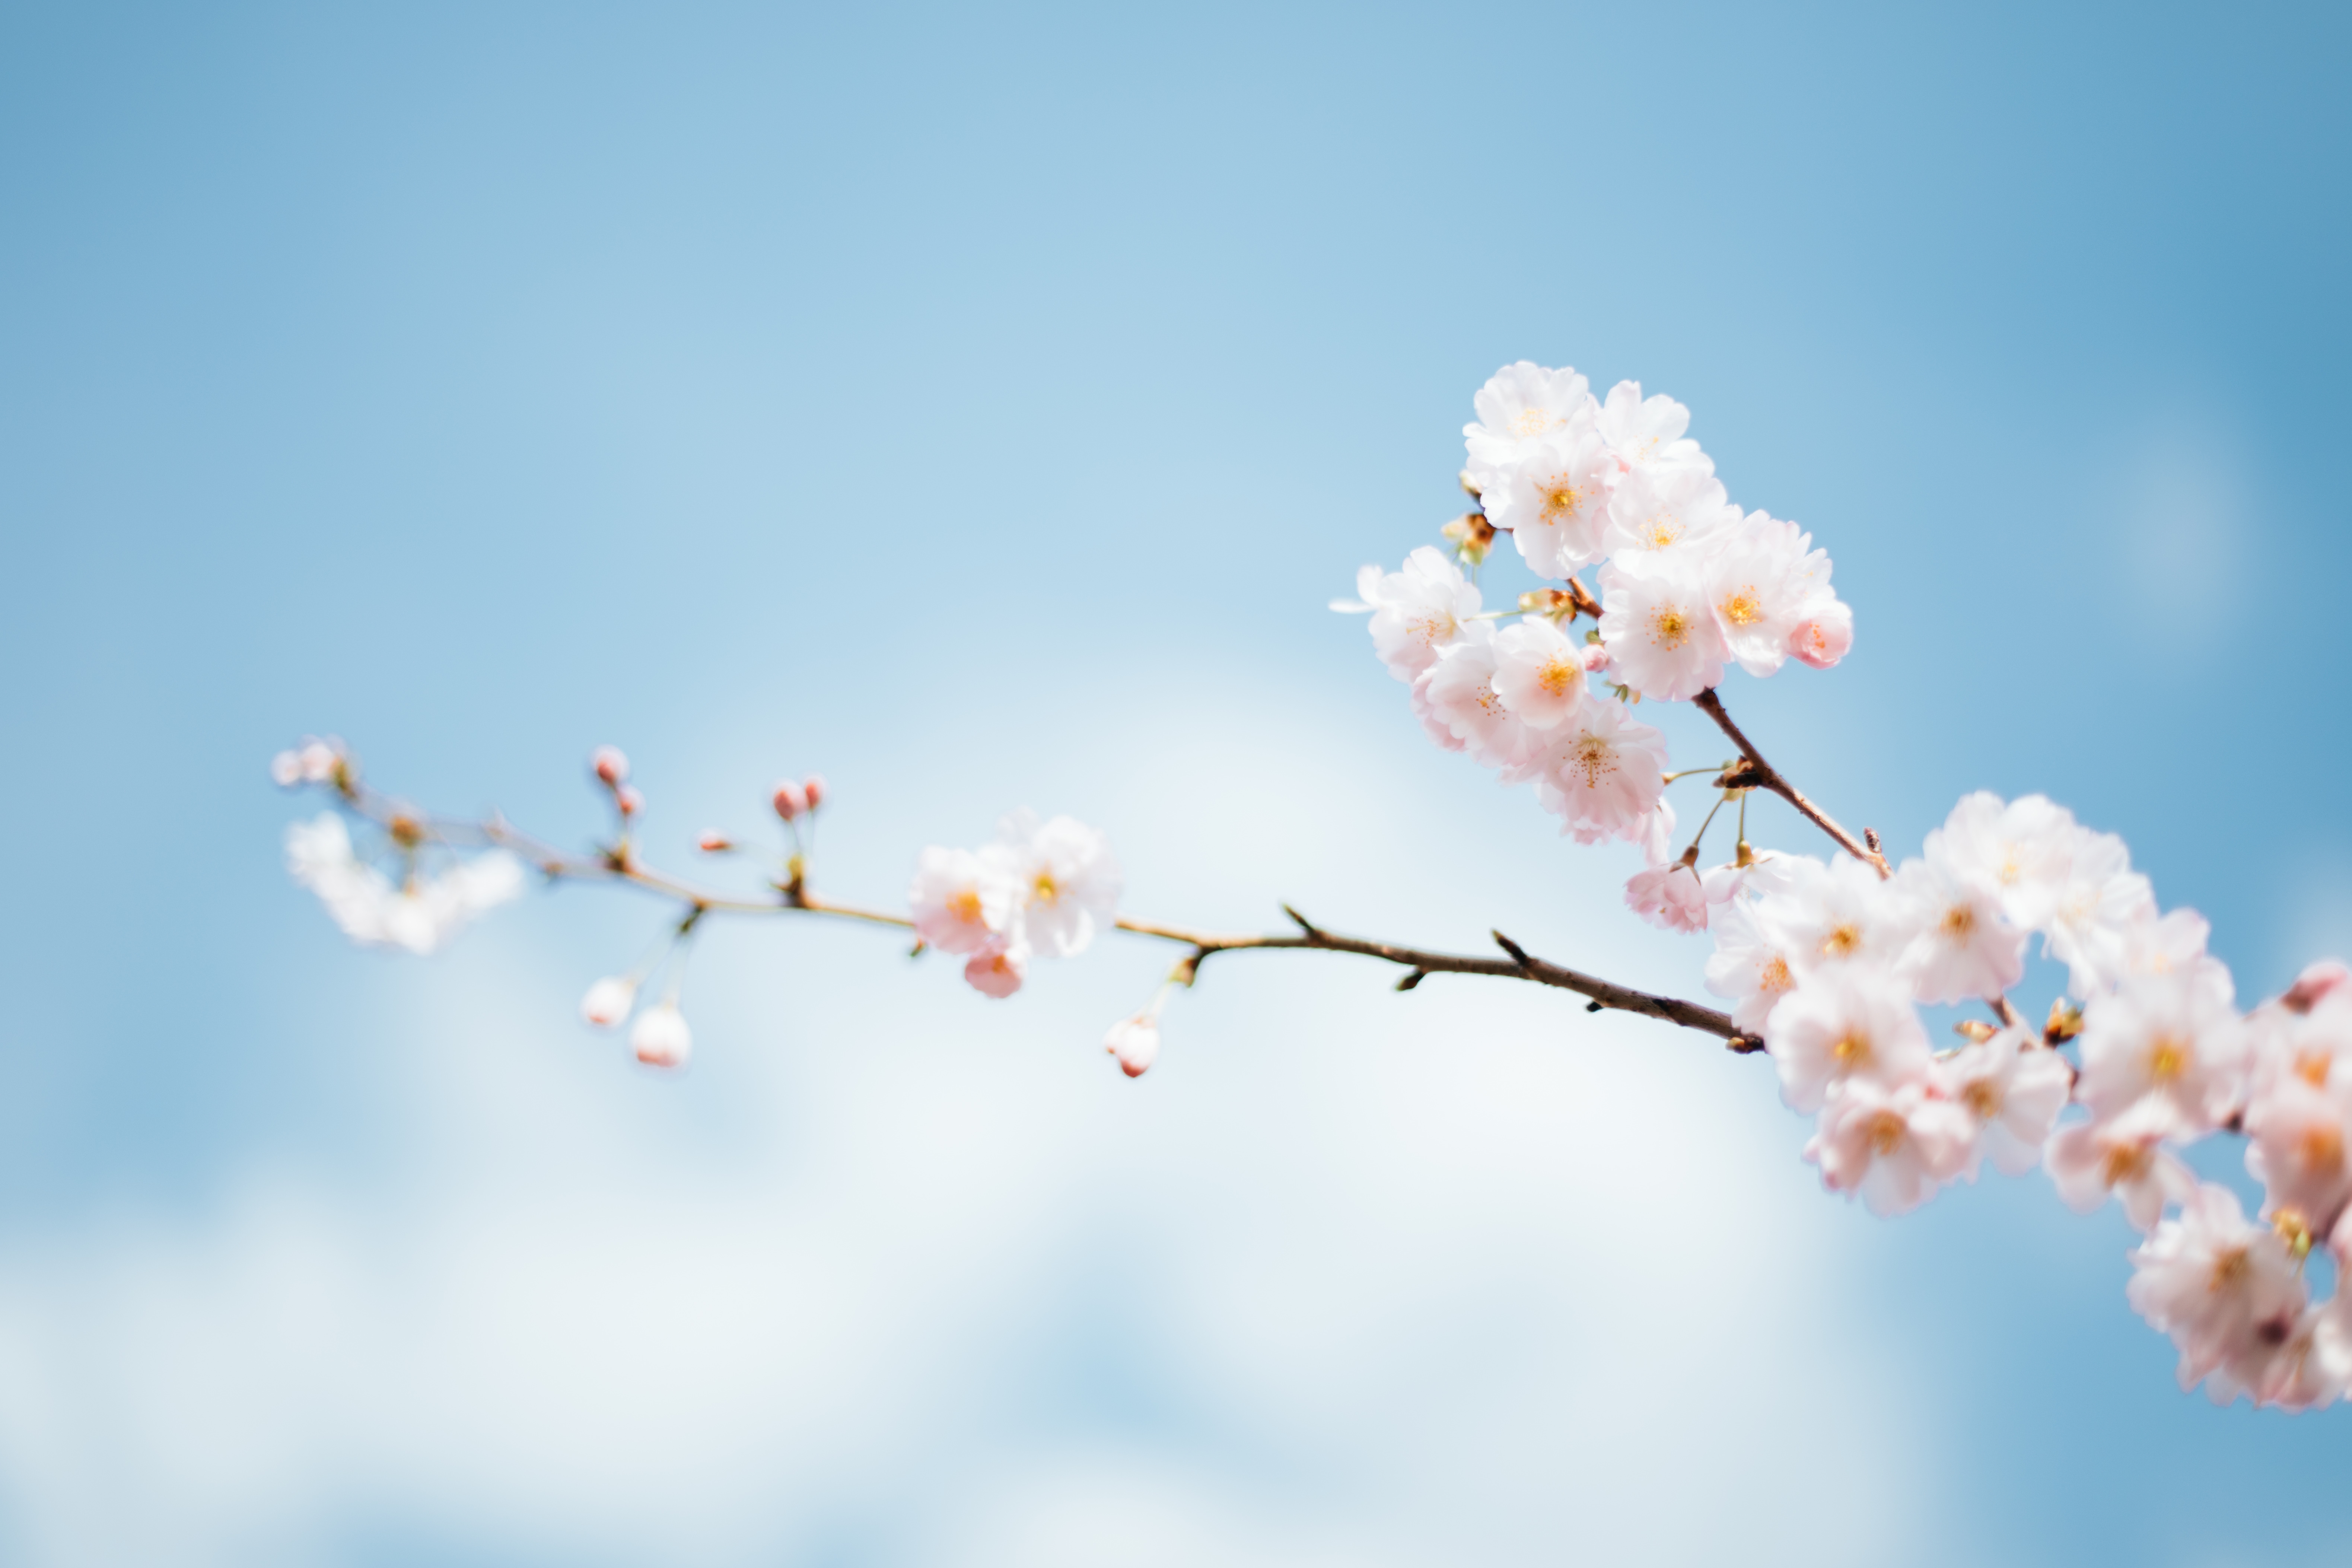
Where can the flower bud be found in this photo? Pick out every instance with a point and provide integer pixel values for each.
(608, 1001)
(320, 761)
(2317, 981)
(815, 785)
(1596, 658)
(661, 1038)
(714, 842)
(286, 769)
(1135, 1042)
(790, 799)
(630, 799)
(612, 767)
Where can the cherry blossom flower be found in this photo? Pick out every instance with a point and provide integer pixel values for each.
(1662, 638)
(2227, 1291)
(1760, 582)
(420, 914)
(608, 1001)
(2089, 928)
(1525, 404)
(998, 969)
(1602, 771)
(1459, 691)
(1840, 1026)
(1647, 433)
(1669, 897)
(1749, 969)
(661, 1038)
(1135, 1042)
(2169, 1037)
(1963, 947)
(2124, 1156)
(1824, 633)
(1539, 673)
(1835, 915)
(2015, 1087)
(962, 901)
(2023, 851)
(1892, 1147)
(1553, 497)
(1066, 879)
(2297, 1135)
(1416, 611)
(1666, 509)
(314, 762)
(1432, 723)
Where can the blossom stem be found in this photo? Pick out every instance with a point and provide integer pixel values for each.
(1761, 774)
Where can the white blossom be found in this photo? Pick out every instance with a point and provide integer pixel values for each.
(1135, 1042)
(1890, 1146)
(1749, 969)
(1961, 947)
(1601, 771)
(1065, 878)
(1662, 638)
(962, 900)
(1647, 433)
(1460, 692)
(2171, 1038)
(1553, 498)
(2123, 1155)
(1840, 1026)
(1525, 404)
(2226, 1289)
(2015, 1087)
(420, 914)
(1416, 611)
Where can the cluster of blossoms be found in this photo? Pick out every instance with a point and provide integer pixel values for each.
(1040, 889)
(418, 909)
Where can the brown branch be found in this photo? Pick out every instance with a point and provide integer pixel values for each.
(619, 863)
(1757, 773)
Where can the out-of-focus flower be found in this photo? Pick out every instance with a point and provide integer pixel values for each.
(1525, 404)
(1890, 1146)
(2089, 927)
(608, 1001)
(962, 901)
(2226, 1289)
(610, 765)
(1135, 1042)
(2123, 1156)
(2015, 1087)
(1840, 1026)
(1748, 970)
(660, 1037)
(419, 915)
(2172, 1037)
(2020, 851)
(1064, 878)
(998, 969)
(1961, 945)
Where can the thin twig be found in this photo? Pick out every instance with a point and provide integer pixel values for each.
(1761, 774)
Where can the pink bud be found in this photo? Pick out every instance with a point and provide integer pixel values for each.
(792, 799)
(661, 1038)
(1135, 1042)
(608, 1001)
(815, 786)
(612, 767)
(2317, 980)
(1596, 658)
(714, 843)
(630, 799)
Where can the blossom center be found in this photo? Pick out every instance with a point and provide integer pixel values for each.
(1436, 629)
(2167, 1060)
(1959, 923)
(2323, 1150)
(1662, 531)
(1776, 976)
(2231, 1266)
(1043, 888)
(1532, 422)
(1669, 628)
(1558, 677)
(965, 905)
(2312, 1067)
(2125, 1163)
(1744, 608)
(1982, 1097)
(1842, 940)
(1851, 1050)
(1561, 499)
(1595, 759)
(1886, 1132)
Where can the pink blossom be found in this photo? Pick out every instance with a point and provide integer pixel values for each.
(1759, 583)
(2318, 980)
(790, 798)
(2089, 927)
(2297, 1135)
(1747, 969)
(1656, 510)
(1065, 880)
(998, 969)
(2226, 1289)
(2020, 851)
(1553, 496)
(1963, 947)
(1668, 897)
(962, 901)
(1839, 1027)
(2015, 1087)
(1459, 692)
(1135, 1042)
(1416, 612)
(1662, 638)
(611, 767)
(2123, 1156)
(2170, 1036)
(1538, 673)
(1601, 769)
(1891, 1145)
(1835, 916)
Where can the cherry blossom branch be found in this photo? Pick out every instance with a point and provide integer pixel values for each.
(1757, 773)
(621, 863)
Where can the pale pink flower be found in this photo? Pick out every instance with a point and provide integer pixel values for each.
(2320, 979)
(1067, 881)
(998, 969)
(2023, 851)
(2015, 1087)
(1824, 632)
(1678, 509)
(2295, 1146)
(608, 1001)
(962, 901)
(1647, 433)
(1553, 498)
(2313, 1046)
(1749, 969)
(1539, 673)
(1840, 1026)
(611, 767)
(1963, 947)
(1460, 693)
(2124, 1156)
(2089, 927)
(1602, 771)
(1663, 639)
(1890, 1146)
(2313, 1368)
(1135, 1042)
(1759, 581)
(1838, 915)
(2169, 1037)
(1668, 897)
(661, 1038)
(1524, 404)
(1416, 611)
(1432, 723)
(2227, 1291)
(420, 914)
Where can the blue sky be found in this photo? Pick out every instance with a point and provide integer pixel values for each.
(980, 408)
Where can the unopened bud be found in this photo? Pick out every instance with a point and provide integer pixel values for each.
(2294, 1230)
(1975, 1029)
(608, 1001)
(630, 799)
(320, 761)
(714, 843)
(612, 767)
(1595, 658)
(816, 789)
(790, 799)
(2317, 981)
(2065, 1022)
(1469, 485)
(406, 831)
(1135, 1042)
(286, 769)
(661, 1038)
